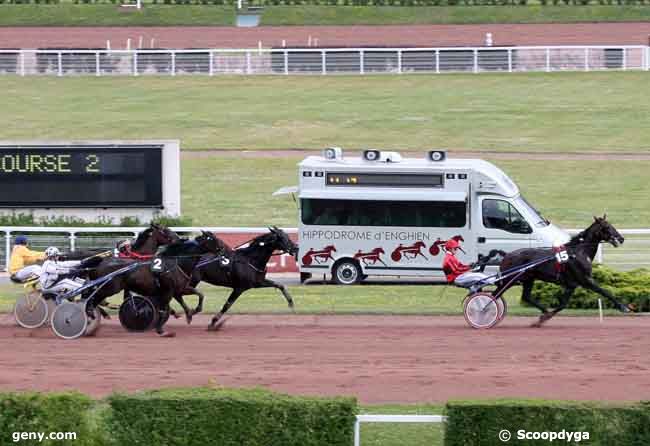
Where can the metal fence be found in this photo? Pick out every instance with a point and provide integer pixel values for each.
(322, 61)
(392, 419)
(634, 253)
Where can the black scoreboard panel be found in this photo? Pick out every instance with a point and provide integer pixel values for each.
(81, 176)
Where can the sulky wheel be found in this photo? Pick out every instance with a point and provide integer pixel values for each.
(502, 307)
(31, 310)
(481, 310)
(94, 322)
(69, 320)
(138, 313)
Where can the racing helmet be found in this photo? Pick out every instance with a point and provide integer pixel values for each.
(52, 251)
(452, 244)
(124, 245)
(20, 240)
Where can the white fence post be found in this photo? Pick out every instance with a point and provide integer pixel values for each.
(211, 62)
(286, 62)
(7, 249)
(475, 60)
(135, 63)
(357, 432)
(548, 60)
(72, 240)
(399, 61)
(361, 63)
(60, 65)
(437, 61)
(97, 69)
(173, 63)
(323, 61)
(509, 60)
(22, 63)
(624, 59)
(248, 62)
(586, 59)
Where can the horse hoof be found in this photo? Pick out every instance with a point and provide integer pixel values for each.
(628, 308)
(217, 325)
(167, 334)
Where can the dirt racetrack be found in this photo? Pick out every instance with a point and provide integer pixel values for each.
(377, 358)
(632, 33)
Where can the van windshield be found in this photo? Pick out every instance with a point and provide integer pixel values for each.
(540, 221)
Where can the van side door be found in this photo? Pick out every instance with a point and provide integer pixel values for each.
(501, 226)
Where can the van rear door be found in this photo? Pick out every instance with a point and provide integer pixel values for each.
(499, 225)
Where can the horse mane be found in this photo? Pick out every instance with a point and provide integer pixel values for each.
(252, 246)
(223, 246)
(580, 237)
(178, 248)
(142, 238)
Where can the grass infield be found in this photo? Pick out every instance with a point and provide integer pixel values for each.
(332, 299)
(541, 112)
(233, 191)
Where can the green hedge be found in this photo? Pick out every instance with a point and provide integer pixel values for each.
(54, 412)
(628, 287)
(472, 423)
(226, 417)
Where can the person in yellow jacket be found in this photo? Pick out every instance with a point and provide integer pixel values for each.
(22, 262)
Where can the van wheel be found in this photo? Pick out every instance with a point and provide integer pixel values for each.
(304, 277)
(346, 272)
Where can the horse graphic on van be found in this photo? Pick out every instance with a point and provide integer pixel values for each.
(439, 245)
(408, 252)
(320, 256)
(372, 257)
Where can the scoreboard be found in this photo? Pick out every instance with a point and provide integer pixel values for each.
(78, 176)
(91, 179)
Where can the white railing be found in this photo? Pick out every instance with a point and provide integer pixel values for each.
(322, 61)
(96, 237)
(634, 253)
(392, 419)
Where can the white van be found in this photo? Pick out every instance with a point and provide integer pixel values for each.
(379, 214)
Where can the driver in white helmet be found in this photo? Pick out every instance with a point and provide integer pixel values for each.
(52, 270)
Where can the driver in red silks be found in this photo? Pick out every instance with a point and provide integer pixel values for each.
(451, 266)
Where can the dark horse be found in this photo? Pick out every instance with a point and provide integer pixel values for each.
(146, 243)
(178, 261)
(575, 272)
(243, 269)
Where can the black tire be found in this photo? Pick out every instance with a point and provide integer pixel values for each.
(346, 272)
(304, 277)
(138, 313)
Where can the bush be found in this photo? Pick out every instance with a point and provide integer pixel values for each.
(54, 412)
(628, 287)
(201, 416)
(478, 423)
